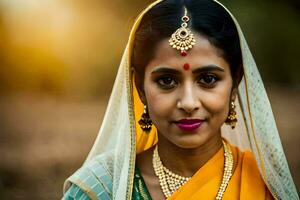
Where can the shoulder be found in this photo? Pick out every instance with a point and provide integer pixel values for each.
(75, 192)
(247, 170)
(245, 162)
(94, 179)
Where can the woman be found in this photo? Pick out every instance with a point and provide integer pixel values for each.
(185, 75)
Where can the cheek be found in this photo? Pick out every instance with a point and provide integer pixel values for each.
(216, 102)
(216, 107)
(160, 104)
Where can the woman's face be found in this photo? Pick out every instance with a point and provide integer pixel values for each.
(188, 97)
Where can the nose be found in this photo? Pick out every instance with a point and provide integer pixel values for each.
(188, 100)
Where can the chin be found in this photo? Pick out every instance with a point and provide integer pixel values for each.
(190, 141)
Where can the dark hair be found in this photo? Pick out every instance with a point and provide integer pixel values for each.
(206, 17)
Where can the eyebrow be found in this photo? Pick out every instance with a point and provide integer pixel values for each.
(207, 68)
(165, 70)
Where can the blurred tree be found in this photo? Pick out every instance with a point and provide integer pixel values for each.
(75, 47)
(272, 30)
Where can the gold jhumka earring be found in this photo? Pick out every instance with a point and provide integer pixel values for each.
(231, 119)
(145, 122)
(183, 39)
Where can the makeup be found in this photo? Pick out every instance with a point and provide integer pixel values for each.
(189, 124)
(186, 66)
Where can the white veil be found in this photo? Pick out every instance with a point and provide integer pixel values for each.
(256, 128)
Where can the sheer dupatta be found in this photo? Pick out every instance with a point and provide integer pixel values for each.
(256, 130)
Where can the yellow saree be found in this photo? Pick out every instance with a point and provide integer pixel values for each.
(245, 183)
(108, 172)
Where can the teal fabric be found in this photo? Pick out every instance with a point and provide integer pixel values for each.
(74, 192)
(100, 188)
(92, 181)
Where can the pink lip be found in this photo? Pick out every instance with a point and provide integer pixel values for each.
(189, 124)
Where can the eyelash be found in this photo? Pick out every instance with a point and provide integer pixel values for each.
(208, 75)
(162, 84)
(173, 82)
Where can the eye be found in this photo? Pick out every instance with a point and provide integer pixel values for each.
(208, 79)
(167, 82)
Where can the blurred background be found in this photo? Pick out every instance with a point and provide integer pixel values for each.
(58, 61)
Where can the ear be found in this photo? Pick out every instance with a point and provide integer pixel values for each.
(234, 94)
(138, 83)
(142, 96)
(240, 74)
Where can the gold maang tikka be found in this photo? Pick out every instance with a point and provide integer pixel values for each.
(183, 38)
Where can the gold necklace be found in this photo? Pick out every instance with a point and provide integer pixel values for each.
(170, 182)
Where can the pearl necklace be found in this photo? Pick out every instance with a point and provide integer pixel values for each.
(171, 182)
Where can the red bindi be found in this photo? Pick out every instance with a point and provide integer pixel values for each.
(186, 66)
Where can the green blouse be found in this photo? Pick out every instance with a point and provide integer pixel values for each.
(140, 191)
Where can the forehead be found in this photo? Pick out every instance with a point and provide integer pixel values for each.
(203, 53)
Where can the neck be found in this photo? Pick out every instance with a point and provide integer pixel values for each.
(186, 162)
